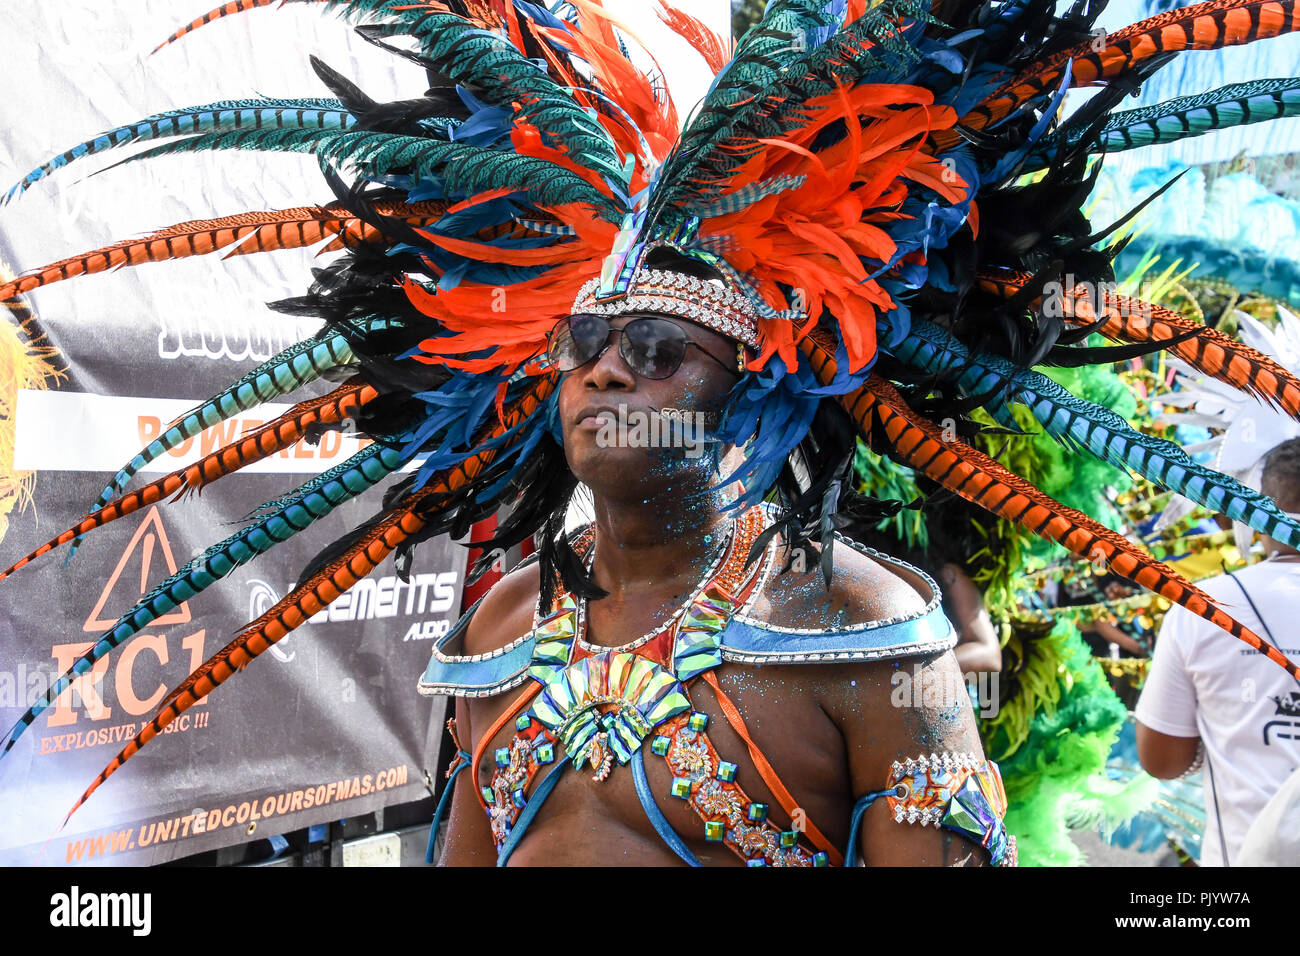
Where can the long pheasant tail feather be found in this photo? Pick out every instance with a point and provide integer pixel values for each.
(1203, 26)
(340, 404)
(300, 604)
(210, 118)
(272, 437)
(294, 367)
(249, 232)
(338, 576)
(225, 10)
(118, 508)
(1079, 423)
(920, 444)
(318, 591)
(294, 513)
(1239, 104)
(1210, 352)
(982, 481)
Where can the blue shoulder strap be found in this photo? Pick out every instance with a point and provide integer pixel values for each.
(526, 817)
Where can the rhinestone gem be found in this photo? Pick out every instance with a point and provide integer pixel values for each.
(659, 746)
(714, 831)
(697, 721)
(726, 771)
(789, 838)
(820, 858)
(681, 788)
(523, 722)
(757, 812)
(502, 756)
(545, 754)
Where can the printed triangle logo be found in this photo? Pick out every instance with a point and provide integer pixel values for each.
(150, 543)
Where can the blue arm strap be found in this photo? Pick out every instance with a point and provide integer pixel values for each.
(855, 824)
(657, 818)
(445, 801)
(526, 817)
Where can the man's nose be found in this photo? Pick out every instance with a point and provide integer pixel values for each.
(608, 370)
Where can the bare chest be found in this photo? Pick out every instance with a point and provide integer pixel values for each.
(755, 748)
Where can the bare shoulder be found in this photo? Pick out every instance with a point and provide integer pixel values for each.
(889, 711)
(862, 589)
(506, 612)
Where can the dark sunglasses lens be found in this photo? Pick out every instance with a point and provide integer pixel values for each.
(576, 340)
(653, 348)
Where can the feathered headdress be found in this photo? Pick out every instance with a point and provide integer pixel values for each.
(884, 188)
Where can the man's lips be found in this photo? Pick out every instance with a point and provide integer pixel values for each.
(592, 415)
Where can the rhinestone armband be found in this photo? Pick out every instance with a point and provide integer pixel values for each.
(959, 792)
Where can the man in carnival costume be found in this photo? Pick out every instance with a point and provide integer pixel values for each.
(840, 244)
(673, 565)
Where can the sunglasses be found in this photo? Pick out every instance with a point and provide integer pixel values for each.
(652, 347)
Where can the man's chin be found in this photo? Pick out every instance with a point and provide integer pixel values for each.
(618, 471)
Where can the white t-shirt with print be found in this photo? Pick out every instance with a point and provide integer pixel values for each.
(1246, 710)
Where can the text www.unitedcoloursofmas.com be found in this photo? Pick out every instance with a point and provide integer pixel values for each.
(198, 821)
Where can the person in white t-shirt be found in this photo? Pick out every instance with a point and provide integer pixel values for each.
(1208, 690)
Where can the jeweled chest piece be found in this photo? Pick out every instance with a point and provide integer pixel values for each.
(600, 752)
(602, 707)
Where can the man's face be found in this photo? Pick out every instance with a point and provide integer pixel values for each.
(626, 435)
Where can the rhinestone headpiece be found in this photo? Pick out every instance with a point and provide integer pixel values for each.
(713, 305)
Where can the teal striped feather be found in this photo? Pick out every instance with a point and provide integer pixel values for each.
(462, 168)
(291, 369)
(312, 501)
(1080, 424)
(1240, 104)
(499, 74)
(210, 118)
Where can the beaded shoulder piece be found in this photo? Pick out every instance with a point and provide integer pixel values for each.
(743, 640)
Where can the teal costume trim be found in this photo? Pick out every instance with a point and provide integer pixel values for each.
(744, 640)
(656, 816)
(855, 824)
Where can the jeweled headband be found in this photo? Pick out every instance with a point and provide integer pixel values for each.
(710, 303)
